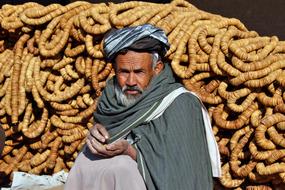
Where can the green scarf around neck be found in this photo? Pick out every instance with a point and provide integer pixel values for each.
(115, 117)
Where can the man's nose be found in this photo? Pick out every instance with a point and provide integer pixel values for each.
(131, 80)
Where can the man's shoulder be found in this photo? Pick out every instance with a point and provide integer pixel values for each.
(185, 100)
(183, 105)
(187, 97)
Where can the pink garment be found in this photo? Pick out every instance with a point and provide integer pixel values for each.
(93, 173)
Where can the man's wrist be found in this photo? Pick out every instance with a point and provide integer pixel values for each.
(131, 151)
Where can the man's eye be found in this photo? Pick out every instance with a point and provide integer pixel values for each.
(123, 71)
(139, 72)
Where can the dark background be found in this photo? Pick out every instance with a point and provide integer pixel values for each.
(267, 17)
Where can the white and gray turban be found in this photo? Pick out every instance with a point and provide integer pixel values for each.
(143, 38)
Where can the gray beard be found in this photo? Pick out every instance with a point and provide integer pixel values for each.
(123, 99)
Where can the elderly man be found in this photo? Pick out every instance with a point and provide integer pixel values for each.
(150, 132)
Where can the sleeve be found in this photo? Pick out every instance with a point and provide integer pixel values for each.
(187, 144)
(173, 147)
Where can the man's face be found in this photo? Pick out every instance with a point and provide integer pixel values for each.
(134, 72)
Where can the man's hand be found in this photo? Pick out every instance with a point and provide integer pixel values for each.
(97, 138)
(122, 147)
(118, 147)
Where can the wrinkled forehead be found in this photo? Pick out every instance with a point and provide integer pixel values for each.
(133, 59)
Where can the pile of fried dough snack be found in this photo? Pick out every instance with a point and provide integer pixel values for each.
(52, 71)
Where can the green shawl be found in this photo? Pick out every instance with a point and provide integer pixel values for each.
(116, 117)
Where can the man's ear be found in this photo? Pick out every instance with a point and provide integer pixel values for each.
(159, 67)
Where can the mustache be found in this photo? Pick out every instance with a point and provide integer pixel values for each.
(125, 88)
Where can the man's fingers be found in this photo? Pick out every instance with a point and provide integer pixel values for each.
(118, 146)
(89, 145)
(114, 146)
(111, 147)
(102, 130)
(94, 132)
(97, 148)
(93, 148)
(100, 148)
(116, 152)
(91, 136)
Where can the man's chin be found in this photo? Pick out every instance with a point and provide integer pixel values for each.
(132, 96)
(132, 93)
